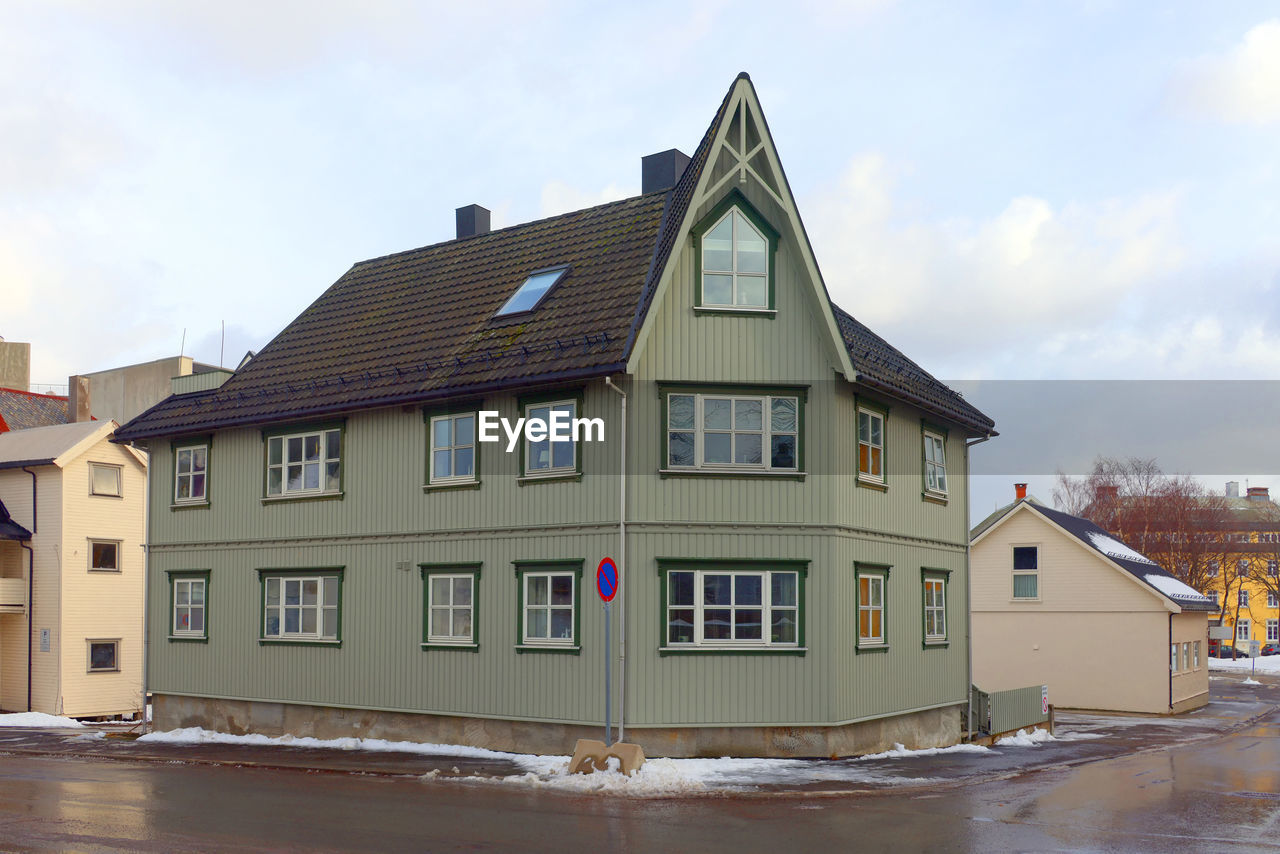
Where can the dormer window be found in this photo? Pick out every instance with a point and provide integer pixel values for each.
(735, 258)
(532, 291)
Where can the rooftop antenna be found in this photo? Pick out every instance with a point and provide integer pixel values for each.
(182, 349)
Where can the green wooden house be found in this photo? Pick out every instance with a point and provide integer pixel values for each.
(333, 550)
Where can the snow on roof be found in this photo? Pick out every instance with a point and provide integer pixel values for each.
(1112, 547)
(1173, 588)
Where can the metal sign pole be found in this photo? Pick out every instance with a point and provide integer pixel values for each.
(608, 687)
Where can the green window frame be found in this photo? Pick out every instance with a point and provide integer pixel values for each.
(301, 606)
(732, 605)
(303, 461)
(1026, 572)
(452, 448)
(450, 603)
(934, 461)
(549, 605)
(751, 290)
(189, 605)
(191, 462)
(871, 587)
(933, 602)
(545, 460)
(760, 430)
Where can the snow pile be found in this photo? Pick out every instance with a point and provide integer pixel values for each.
(1026, 739)
(196, 735)
(1111, 547)
(88, 736)
(38, 719)
(1250, 682)
(657, 777)
(900, 752)
(1174, 588)
(1269, 664)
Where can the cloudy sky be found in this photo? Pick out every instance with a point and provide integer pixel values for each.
(1006, 191)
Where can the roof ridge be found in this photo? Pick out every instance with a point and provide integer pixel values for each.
(34, 393)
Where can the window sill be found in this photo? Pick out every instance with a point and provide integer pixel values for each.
(188, 639)
(465, 647)
(189, 505)
(935, 498)
(736, 312)
(1034, 601)
(940, 643)
(313, 496)
(859, 649)
(877, 485)
(564, 649)
(444, 487)
(103, 571)
(732, 650)
(298, 642)
(554, 477)
(103, 670)
(103, 495)
(764, 474)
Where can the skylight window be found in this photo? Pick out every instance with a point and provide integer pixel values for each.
(529, 294)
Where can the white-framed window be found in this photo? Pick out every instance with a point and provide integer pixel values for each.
(1026, 572)
(1186, 655)
(550, 602)
(935, 463)
(1242, 568)
(1242, 597)
(190, 473)
(545, 457)
(453, 448)
(307, 463)
(1242, 630)
(735, 264)
(872, 628)
(1213, 569)
(733, 607)
(104, 655)
(1173, 657)
(1272, 601)
(1269, 537)
(301, 606)
(1195, 650)
(733, 431)
(870, 445)
(451, 607)
(1273, 631)
(935, 608)
(104, 555)
(1273, 569)
(105, 479)
(190, 595)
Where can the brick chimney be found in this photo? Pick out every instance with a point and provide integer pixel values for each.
(1259, 493)
(78, 399)
(1019, 491)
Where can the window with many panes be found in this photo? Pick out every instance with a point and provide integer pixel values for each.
(1026, 572)
(1242, 630)
(1213, 569)
(302, 606)
(105, 479)
(1273, 568)
(1273, 631)
(872, 623)
(307, 463)
(732, 604)
(935, 606)
(1242, 568)
(190, 474)
(733, 431)
(549, 599)
(935, 463)
(544, 456)
(735, 264)
(453, 449)
(870, 445)
(1243, 598)
(189, 595)
(450, 604)
(1272, 600)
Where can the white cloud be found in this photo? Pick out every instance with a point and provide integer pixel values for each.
(1240, 85)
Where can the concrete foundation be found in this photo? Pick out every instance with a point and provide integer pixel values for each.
(932, 728)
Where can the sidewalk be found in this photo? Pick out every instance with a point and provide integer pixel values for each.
(1081, 738)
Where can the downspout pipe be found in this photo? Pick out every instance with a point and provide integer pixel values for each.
(968, 594)
(622, 564)
(31, 583)
(1169, 652)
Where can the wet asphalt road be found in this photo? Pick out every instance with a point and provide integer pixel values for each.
(1218, 795)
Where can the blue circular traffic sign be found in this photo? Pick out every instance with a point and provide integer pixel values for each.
(607, 579)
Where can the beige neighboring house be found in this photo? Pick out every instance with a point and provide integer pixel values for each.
(1057, 601)
(76, 619)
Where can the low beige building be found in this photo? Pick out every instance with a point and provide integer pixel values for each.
(1057, 601)
(71, 571)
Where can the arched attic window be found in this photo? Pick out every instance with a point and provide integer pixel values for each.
(735, 258)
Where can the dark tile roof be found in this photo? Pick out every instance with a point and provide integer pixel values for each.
(9, 529)
(21, 410)
(881, 366)
(419, 325)
(1085, 531)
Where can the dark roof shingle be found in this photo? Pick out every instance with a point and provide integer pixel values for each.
(21, 410)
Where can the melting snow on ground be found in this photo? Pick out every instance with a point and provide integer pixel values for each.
(38, 719)
(196, 735)
(1250, 682)
(1022, 738)
(1114, 548)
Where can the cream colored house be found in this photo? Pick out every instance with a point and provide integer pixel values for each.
(71, 595)
(1057, 601)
